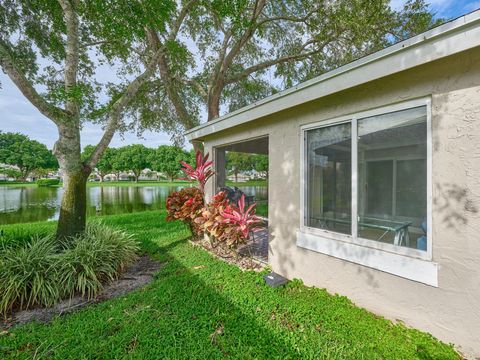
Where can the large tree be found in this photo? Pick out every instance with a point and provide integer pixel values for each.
(237, 162)
(166, 159)
(105, 164)
(135, 158)
(26, 154)
(54, 51)
(224, 54)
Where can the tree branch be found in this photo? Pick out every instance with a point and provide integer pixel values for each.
(179, 20)
(203, 93)
(72, 55)
(7, 62)
(268, 63)
(117, 108)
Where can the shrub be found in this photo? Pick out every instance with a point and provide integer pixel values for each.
(185, 205)
(40, 272)
(240, 222)
(210, 219)
(228, 223)
(202, 171)
(48, 182)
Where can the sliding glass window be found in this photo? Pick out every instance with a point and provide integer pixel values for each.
(329, 181)
(388, 177)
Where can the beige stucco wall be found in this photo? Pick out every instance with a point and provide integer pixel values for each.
(451, 312)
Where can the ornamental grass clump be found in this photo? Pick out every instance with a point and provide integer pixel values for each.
(41, 272)
(29, 274)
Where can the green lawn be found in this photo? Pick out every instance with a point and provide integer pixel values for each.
(200, 307)
(248, 183)
(16, 183)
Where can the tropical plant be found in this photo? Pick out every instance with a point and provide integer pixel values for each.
(211, 220)
(185, 205)
(202, 171)
(240, 222)
(41, 271)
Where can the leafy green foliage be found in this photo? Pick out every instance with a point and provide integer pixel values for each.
(37, 272)
(48, 182)
(28, 155)
(245, 50)
(195, 294)
(238, 162)
(107, 162)
(134, 157)
(166, 159)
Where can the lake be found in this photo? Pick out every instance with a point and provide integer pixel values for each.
(30, 203)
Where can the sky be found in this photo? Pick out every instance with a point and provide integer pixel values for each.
(18, 115)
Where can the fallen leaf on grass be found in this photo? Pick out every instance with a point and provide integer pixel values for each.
(218, 331)
(198, 267)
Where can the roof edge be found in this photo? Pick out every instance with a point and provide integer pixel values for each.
(462, 23)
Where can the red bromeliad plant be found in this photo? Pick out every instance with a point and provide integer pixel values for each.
(185, 205)
(202, 171)
(240, 222)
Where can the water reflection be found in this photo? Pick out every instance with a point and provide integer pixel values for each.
(27, 204)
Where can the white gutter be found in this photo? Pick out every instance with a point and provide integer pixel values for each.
(453, 37)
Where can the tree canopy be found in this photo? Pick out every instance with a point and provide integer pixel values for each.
(134, 157)
(107, 162)
(220, 55)
(166, 159)
(26, 154)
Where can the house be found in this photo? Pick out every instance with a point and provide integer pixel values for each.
(374, 186)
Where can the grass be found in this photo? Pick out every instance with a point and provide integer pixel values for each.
(17, 183)
(248, 183)
(200, 307)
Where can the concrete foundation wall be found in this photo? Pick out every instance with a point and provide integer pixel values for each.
(450, 311)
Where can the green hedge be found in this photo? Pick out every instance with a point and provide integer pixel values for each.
(48, 182)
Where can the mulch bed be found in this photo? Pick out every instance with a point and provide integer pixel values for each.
(223, 253)
(137, 275)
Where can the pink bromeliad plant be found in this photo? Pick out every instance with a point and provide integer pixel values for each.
(241, 222)
(202, 171)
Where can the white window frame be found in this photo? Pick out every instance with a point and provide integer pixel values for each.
(382, 256)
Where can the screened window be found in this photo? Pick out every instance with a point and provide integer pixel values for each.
(387, 175)
(329, 178)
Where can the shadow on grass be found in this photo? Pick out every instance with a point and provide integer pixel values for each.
(178, 316)
(200, 307)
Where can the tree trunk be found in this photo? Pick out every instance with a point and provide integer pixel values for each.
(73, 208)
(214, 100)
(236, 176)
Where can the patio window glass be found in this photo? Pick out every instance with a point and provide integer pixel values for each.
(329, 178)
(372, 169)
(392, 177)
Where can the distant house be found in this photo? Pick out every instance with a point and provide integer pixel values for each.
(374, 186)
